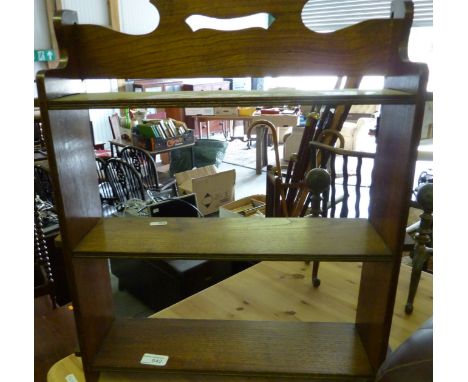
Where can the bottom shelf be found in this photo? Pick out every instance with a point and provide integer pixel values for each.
(248, 348)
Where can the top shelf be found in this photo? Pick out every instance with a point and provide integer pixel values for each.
(229, 98)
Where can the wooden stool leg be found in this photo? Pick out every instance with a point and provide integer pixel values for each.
(315, 279)
(423, 237)
(318, 181)
(419, 259)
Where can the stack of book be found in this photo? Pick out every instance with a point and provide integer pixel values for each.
(159, 134)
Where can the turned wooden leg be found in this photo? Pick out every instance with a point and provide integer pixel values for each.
(315, 279)
(92, 376)
(318, 181)
(419, 259)
(421, 253)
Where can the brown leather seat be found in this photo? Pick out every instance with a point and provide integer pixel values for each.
(412, 361)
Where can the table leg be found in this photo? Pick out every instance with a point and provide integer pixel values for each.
(246, 128)
(192, 156)
(261, 148)
(197, 125)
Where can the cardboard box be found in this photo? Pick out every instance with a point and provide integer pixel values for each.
(283, 123)
(212, 188)
(250, 206)
(199, 111)
(282, 131)
(246, 111)
(225, 111)
(278, 119)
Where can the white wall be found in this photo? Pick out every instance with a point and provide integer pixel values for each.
(137, 16)
(41, 33)
(89, 11)
(95, 12)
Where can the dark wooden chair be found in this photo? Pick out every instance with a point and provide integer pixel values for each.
(145, 165)
(125, 181)
(302, 193)
(422, 249)
(325, 157)
(114, 123)
(43, 184)
(106, 193)
(97, 146)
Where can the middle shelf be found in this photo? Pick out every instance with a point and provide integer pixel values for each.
(291, 239)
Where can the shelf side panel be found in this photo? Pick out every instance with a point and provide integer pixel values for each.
(74, 180)
(92, 303)
(392, 180)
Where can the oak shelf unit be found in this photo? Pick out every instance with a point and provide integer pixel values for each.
(276, 350)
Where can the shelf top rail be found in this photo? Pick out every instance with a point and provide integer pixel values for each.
(287, 47)
(229, 98)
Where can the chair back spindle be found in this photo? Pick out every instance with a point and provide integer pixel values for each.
(125, 181)
(145, 165)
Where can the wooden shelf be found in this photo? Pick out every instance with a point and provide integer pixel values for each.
(269, 350)
(235, 239)
(247, 348)
(228, 98)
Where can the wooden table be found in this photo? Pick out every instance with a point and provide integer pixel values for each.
(277, 291)
(261, 137)
(161, 84)
(200, 119)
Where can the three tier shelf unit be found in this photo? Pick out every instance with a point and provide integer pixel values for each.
(274, 351)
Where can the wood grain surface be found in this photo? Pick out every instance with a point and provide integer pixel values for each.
(250, 348)
(234, 239)
(392, 180)
(277, 291)
(374, 47)
(74, 178)
(286, 48)
(228, 98)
